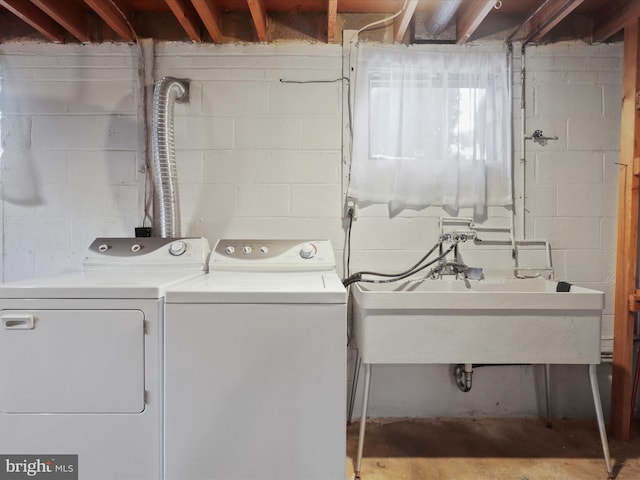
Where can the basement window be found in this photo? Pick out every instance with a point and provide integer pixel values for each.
(431, 129)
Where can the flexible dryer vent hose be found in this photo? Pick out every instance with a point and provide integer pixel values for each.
(165, 178)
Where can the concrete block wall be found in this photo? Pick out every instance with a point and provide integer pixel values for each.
(71, 164)
(259, 144)
(574, 91)
(258, 156)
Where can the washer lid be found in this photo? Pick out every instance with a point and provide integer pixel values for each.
(261, 287)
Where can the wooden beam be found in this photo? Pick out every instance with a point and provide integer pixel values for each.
(187, 16)
(544, 19)
(401, 22)
(332, 19)
(114, 17)
(627, 241)
(470, 15)
(209, 12)
(36, 18)
(259, 15)
(72, 19)
(616, 21)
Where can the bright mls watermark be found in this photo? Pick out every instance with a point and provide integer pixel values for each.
(49, 467)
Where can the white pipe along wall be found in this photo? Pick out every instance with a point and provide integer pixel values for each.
(261, 157)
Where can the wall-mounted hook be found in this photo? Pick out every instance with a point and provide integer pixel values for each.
(538, 137)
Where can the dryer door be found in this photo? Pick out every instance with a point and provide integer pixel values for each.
(71, 361)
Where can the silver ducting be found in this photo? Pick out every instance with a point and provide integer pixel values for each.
(166, 218)
(442, 16)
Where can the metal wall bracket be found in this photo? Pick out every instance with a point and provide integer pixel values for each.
(538, 137)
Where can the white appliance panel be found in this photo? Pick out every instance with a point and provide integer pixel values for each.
(272, 255)
(109, 447)
(132, 439)
(134, 254)
(98, 284)
(83, 351)
(72, 361)
(255, 391)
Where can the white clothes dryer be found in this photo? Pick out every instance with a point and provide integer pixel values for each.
(80, 357)
(255, 366)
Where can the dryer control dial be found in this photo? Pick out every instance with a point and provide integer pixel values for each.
(229, 249)
(247, 249)
(308, 250)
(177, 248)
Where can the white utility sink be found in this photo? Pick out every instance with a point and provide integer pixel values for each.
(455, 321)
(477, 321)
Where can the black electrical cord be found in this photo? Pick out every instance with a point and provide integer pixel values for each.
(346, 79)
(347, 266)
(349, 242)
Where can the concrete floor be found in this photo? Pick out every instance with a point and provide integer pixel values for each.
(489, 449)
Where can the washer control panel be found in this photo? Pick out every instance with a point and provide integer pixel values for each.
(147, 252)
(276, 255)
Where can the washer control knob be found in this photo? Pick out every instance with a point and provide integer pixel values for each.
(103, 248)
(308, 250)
(135, 247)
(229, 249)
(177, 248)
(264, 250)
(247, 249)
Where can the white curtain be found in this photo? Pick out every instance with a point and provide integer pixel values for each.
(431, 128)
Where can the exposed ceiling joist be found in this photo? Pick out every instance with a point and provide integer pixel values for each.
(209, 12)
(35, 17)
(59, 20)
(616, 21)
(470, 16)
(402, 21)
(72, 19)
(259, 15)
(332, 19)
(187, 16)
(544, 19)
(113, 16)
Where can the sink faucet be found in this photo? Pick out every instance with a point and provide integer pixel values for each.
(450, 268)
(459, 270)
(456, 267)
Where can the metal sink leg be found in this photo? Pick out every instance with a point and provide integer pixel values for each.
(363, 419)
(600, 417)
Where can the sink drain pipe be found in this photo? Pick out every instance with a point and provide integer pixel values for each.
(166, 218)
(463, 375)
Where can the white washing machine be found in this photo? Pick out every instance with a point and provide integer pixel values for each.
(255, 361)
(80, 357)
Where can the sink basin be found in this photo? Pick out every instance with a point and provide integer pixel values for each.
(463, 321)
